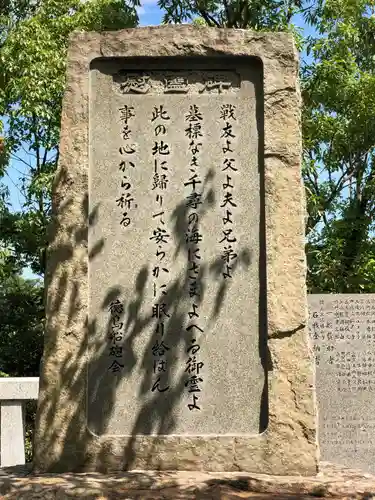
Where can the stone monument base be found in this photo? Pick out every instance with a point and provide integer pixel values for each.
(333, 481)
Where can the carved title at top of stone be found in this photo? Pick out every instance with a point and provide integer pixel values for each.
(167, 82)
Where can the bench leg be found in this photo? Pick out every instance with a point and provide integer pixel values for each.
(12, 442)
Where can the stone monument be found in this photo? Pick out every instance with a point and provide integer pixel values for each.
(342, 328)
(176, 305)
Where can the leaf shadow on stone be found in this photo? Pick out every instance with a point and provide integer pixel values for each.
(65, 265)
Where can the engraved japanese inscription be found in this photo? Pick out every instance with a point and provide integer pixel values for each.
(342, 329)
(175, 294)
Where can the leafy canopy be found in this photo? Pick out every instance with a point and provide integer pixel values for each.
(33, 52)
(255, 14)
(339, 147)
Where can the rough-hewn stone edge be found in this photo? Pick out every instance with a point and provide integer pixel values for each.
(289, 444)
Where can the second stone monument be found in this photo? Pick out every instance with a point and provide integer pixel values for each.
(176, 313)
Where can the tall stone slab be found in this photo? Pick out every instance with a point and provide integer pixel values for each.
(176, 303)
(342, 329)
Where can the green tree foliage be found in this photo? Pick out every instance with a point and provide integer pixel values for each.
(254, 14)
(21, 326)
(32, 60)
(21, 335)
(339, 147)
(17, 9)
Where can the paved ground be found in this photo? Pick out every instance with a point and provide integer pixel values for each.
(332, 482)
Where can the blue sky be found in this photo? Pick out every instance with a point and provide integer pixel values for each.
(149, 15)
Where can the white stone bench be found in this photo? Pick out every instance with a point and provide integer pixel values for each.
(13, 393)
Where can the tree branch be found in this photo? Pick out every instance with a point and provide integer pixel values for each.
(48, 134)
(13, 155)
(209, 19)
(228, 14)
(245, 14)
(22, 173)
(15, 185)
(28, 152)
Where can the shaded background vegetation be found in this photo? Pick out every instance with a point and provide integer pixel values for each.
(338, 86)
